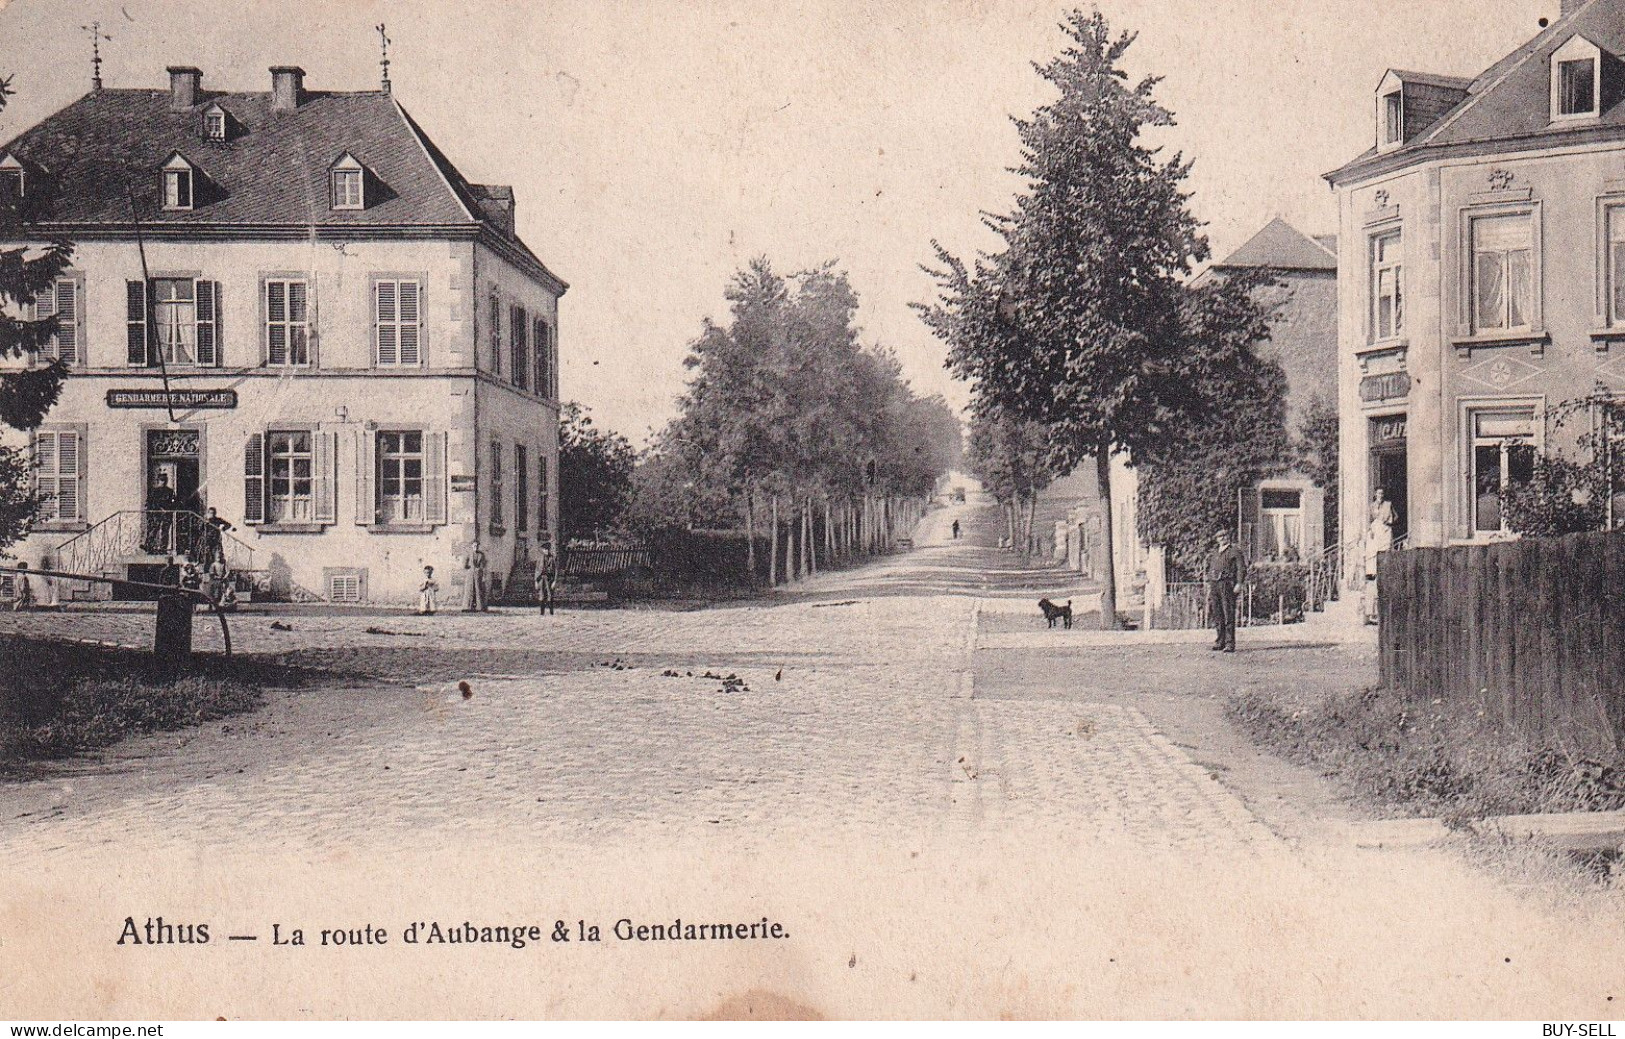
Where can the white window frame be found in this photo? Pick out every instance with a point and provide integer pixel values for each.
(1611, 261)
(1531, 408)
(214, 123)
(297, 508)
(1272, 523)
(1534, 321)
(1578, 50)
(11, 168)
(1380, 264)
(400, 458)
(293, 330)
(1393, 118)
(347, 183)
(179, 174)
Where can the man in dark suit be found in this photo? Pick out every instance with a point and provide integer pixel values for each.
(1226, 570)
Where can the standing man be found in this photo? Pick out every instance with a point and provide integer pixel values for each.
(546, 578)
(213, 536)
(160, 515)
(1226, 571)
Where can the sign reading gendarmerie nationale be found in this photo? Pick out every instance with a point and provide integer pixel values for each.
(172, 399)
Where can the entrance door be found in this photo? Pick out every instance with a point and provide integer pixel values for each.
(1388, 468)
(172, 497)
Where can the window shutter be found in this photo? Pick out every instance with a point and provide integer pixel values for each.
(43, 307)
(434, 477)
(208, 323)
(45, 470)
(494, 335)
(388, 330)
(411, 326)
(135, 319)
(68, 319)
(1314, 521)
(325, 447)
(69, 471)
(543, 381)
(1247, 521)
(276, 314)
(254, 479)
(366, 463)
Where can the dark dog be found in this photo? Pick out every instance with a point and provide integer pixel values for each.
(1053, 613)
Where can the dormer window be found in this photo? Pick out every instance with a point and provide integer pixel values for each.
(1576, 80)
(12, 179)
(348, 183)
(179, 183)
(1393, 117)
(214, 123)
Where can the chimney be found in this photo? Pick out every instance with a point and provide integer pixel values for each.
(287, 87)
(497, 203)
(184, 83)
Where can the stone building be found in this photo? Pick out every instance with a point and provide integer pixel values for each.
(1482, 281)
(289, 306)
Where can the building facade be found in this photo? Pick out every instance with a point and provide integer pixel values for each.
(1483, 276)
(287, 306)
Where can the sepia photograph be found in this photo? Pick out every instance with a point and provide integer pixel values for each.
(920, 510)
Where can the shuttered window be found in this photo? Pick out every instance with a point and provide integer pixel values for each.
(62, 300)
(59, 475)
(398, 318)
(544, 359)
(135, 319)
(289, 477)
(185, 316)
(344, 587)
(521, 489)
(496, 487)
(494, 334)
(519, 348)
(287, 322)
(541, 495)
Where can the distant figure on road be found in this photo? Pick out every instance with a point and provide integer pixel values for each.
(546, 579)
(427, 591)
(956, 530)
(1226, 570)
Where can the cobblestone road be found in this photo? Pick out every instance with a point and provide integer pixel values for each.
(857, 717)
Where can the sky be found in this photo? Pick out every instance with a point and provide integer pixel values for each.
(655, 148)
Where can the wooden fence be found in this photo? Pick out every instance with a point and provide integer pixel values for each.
(1530, 632)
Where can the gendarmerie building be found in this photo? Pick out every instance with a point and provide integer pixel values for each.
(288, 306)
(1481, 275)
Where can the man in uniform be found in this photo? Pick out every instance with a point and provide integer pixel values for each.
(1226, 570)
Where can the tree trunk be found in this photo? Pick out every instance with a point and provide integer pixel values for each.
(750, 534)
(1108, 588)
(809, 562)
(773, 552)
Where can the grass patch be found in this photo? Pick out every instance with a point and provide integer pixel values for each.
(1403, 756)
(61, 699)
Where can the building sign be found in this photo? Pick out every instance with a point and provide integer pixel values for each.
(1388, 386)
(461, 483)
(1388, 430)
(178, 399)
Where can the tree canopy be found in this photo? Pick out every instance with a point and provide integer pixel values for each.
(29, 267)
(1082, 320)
(595, 476)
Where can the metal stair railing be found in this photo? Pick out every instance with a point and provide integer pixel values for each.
(153, 532)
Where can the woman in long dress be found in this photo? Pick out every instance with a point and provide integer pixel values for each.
(1379, 538)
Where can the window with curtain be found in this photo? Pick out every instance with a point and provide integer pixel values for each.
(1503, 273)
(400, 476)
(1387, 289)
(1503, 446)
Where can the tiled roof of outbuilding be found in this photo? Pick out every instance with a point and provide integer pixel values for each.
(1281, 246)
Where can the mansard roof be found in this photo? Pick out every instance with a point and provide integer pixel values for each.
(1507, 107)
(272, 173)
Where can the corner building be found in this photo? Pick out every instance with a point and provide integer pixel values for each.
(360, 354)
(1481, 276)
